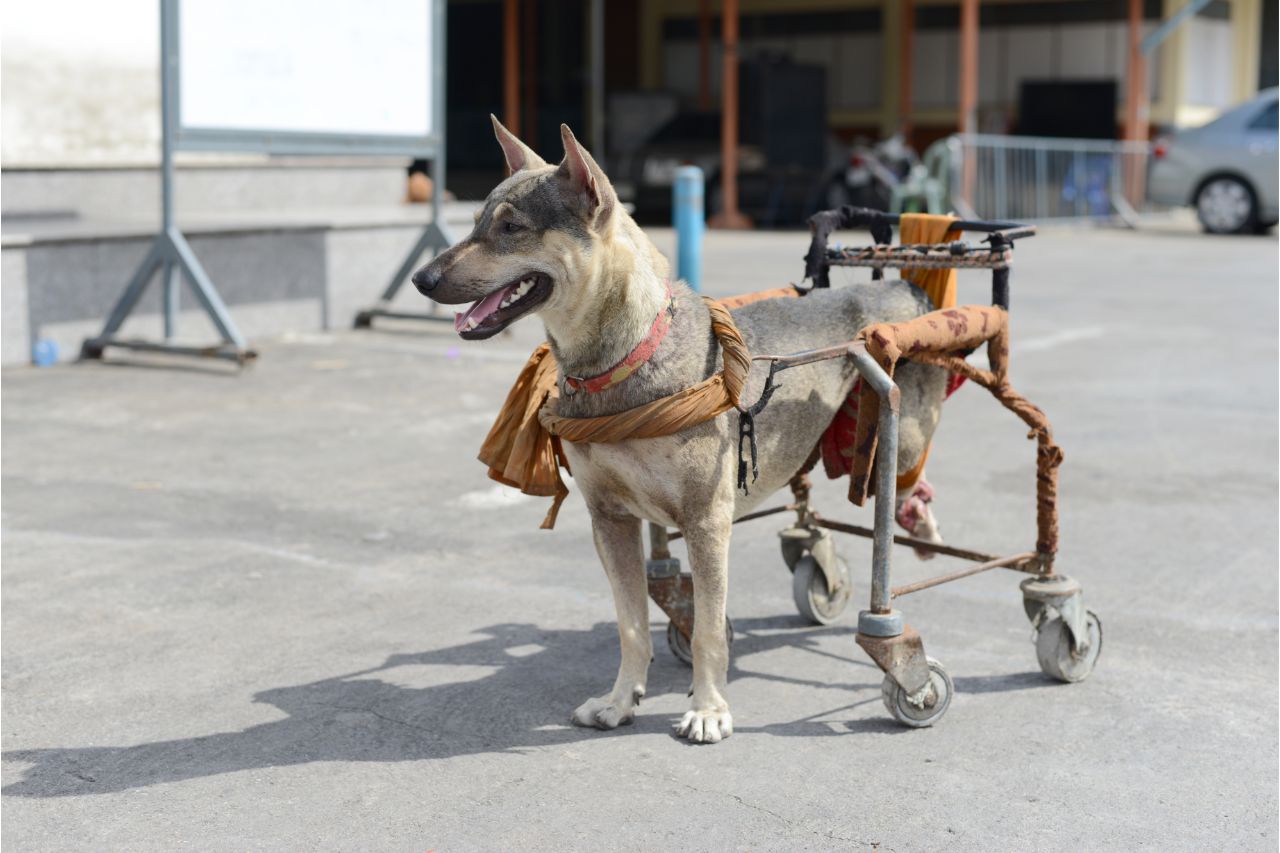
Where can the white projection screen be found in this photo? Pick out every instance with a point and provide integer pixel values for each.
(307, 76)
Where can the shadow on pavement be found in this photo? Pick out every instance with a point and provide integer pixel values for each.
(529, 681)
(1004, 683)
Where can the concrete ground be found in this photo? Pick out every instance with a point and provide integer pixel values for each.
(285, 610)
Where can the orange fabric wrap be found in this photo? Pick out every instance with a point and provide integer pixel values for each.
(732, 302)
(518, 451)
(939, 338)
(944, 331)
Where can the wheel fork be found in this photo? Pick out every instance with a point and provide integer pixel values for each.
(902, 658)
(1046, 595)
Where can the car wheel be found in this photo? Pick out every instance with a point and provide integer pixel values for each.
(1226, 205)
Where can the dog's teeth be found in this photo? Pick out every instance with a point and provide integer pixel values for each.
(471, 324)
(520, 290)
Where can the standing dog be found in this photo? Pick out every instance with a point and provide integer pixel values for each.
(553, 240)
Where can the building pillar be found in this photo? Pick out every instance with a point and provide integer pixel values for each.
(968, 99)
(897, 35)
(1135, 106)
(729, 215)
(652, 15)
(906, 59)
(1246, 48)
(1172, 83)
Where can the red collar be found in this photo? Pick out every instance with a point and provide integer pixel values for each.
(634, 359)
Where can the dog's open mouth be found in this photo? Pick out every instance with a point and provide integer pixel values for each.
(501, 308)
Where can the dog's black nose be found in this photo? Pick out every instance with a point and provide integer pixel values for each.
(426, 279)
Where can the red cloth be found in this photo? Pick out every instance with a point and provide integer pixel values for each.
(837, 441)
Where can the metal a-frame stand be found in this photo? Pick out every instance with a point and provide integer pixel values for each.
(434, 239)
(170, 253)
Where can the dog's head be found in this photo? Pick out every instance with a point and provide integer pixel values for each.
(534, 243)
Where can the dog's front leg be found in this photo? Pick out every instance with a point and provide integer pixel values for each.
(621, 550)
(709, 721)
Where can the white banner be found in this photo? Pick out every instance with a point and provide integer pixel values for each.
(306, 66)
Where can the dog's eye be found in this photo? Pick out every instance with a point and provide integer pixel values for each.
(510, 227)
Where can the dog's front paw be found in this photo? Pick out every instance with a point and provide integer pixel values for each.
(706, 726)
(604, 713)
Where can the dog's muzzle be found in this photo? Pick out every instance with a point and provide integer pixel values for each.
(426, 279)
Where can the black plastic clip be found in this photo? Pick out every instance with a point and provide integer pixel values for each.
(747, 430)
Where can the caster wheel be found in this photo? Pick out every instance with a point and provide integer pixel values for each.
(1058, 659)
(792, 551)
(682, 648)
(907, 713)
(809, 589)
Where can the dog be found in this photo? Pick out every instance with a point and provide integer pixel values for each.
(555, 241)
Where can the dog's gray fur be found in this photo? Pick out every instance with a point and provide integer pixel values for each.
(607, 285)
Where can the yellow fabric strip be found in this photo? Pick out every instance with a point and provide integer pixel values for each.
(913, 228)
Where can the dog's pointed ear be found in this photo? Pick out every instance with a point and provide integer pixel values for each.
(519, 156)
(589, 190)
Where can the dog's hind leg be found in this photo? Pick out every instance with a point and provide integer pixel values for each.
(709, 721)
(923, 391)
(618, 541)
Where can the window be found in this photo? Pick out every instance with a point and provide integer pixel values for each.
(1268, 119)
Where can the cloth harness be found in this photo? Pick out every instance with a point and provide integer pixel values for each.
(523, 449)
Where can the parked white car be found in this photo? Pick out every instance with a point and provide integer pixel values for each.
(1226, 169)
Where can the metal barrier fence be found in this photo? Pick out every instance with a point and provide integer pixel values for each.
(1035, 179)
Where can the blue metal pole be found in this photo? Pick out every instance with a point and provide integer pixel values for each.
(688, 215)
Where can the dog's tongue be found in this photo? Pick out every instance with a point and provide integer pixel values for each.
(480, 311)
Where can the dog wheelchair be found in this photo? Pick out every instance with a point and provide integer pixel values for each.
(917, 689)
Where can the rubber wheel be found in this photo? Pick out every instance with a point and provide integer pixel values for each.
(1226, 205)
(809, 590)
(1053, 649)
(682, 648)
(895, 698)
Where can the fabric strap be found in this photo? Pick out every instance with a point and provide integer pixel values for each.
(523, 448)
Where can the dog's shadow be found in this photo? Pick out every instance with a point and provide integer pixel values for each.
(510, 689)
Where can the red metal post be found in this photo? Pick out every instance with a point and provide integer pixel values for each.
(968, 91)
(1135, 108)
(968, 66)
(729, 215)
(906, 49)
(1135, 125)
(531, 71)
